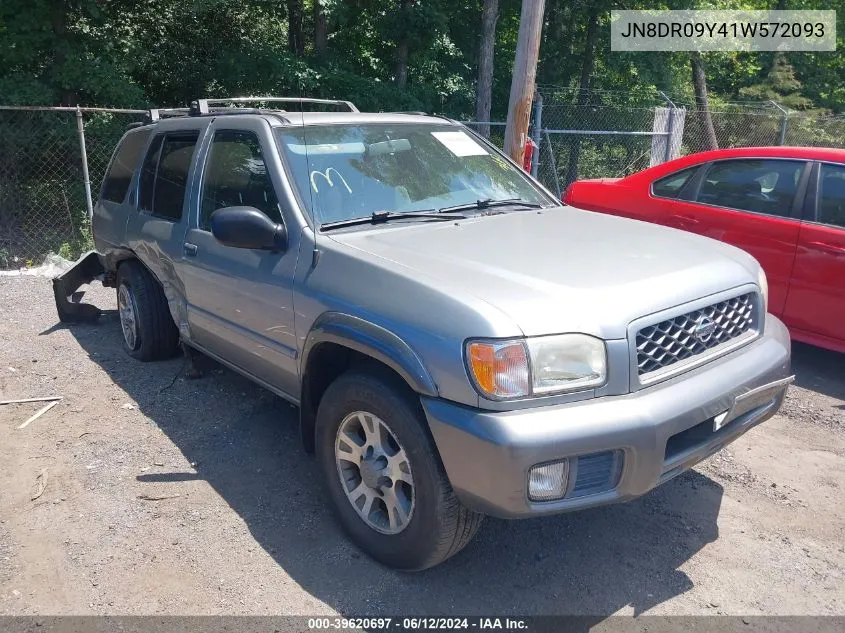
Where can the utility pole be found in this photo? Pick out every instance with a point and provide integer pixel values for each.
(524, 77)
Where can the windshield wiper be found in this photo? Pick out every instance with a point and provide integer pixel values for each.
(379, 217)
(487, 203)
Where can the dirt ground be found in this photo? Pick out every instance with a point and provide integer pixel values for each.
(160, 495)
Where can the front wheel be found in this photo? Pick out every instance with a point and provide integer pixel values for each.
(384, 476)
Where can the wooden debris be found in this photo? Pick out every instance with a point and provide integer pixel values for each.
(39, 413)
(157, 497)
(19, 400)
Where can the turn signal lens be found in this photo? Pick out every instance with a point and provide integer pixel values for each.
(500, 368)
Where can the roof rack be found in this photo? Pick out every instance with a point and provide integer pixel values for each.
(205, 107)
(156, 114)
(202, 106)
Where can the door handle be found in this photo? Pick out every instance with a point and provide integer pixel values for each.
(190, 249)
(830, 249)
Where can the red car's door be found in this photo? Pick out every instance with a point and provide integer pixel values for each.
(753, 204)
(815, 308)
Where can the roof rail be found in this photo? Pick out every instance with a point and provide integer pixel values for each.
(201, 106)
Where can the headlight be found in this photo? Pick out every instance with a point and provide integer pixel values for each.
(536, 366)
(764, 288)
(567, 362)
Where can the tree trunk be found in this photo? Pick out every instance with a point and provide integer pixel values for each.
(58, 23)
(484, 94)
(296, 38)
(699, 82)
(400, 71)
(321, 34)
(556, 42)
(588, 62)
(770, 61)
(401, 68)
(523, 77)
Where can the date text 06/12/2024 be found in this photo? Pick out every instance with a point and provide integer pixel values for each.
(418, 623)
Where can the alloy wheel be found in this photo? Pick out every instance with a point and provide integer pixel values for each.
(375, 472)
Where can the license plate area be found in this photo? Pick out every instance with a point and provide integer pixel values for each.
(751, 400)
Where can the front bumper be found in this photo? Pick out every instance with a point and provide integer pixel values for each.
(487, 454)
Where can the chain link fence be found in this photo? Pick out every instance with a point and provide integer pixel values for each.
(764, 124)
(42, 177)
(596, 139)
(592, 141)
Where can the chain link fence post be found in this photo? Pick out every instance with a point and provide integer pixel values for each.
(536, 133)
(670, 126)
(661, 135)
(784, 116)
(86, 178)
(555, 178)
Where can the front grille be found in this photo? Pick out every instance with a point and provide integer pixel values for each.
(688, 335)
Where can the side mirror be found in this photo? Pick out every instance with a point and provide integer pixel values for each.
(247, 227)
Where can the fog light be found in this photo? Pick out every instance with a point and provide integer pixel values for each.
(547, 482)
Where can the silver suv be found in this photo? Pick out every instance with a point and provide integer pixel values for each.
(458, 343)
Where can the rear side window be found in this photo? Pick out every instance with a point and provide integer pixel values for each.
(164, 175)
(148, 174)
(759, 185)
(116, 182)
(832, 195)
(236, 175)
(670, 186)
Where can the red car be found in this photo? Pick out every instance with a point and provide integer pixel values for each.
(784, 205)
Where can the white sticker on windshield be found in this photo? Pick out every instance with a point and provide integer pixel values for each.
(460, 143)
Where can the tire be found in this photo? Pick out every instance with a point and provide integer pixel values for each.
(143, 311)
(438, 525)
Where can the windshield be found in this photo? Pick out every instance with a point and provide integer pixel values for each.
(352, 171)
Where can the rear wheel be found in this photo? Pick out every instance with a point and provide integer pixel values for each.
(384, 476)
(148, 329)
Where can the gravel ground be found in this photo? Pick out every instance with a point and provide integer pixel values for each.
(170, 496)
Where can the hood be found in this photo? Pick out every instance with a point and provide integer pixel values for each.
(563, 269)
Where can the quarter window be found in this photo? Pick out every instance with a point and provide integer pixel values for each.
(758, 185)
(670, 186)
(236, 175)
(164, 176)
(116, 182)
(832, 195)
